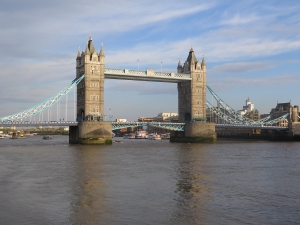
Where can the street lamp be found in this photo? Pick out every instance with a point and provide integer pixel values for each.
(110, 115)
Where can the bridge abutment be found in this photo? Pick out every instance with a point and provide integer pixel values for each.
(91, 133)
(196, 133)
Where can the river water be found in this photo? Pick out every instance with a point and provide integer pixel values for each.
(149, 182)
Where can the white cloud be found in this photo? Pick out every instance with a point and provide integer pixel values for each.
(257, 82)
(240, 67)
(237, 19)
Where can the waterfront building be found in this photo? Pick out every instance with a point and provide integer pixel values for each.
(254, 115)
(144, 119)
(166, 117)
(248, 108)
(284, 108)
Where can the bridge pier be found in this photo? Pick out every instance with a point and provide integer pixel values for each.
(195, 133)
(91, 133)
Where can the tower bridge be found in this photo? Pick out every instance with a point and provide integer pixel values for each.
(90, 126)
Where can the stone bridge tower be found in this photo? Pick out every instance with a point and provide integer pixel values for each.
(92, 128)
(90, 92)
(192, 103)
(192, 94)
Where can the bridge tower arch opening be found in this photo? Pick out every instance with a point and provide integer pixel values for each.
(187, 118)
(80, 115)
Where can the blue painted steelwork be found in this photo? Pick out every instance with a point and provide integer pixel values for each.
(163, 125)
(235, 117)
(118, 125)
(274, 121)
(231, 119)
(38, 123)
(223, 115)
(42, 106)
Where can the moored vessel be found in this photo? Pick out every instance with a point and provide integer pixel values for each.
(129, 136)
(165, 136)
(47, 137)
(141, 134)
(154, 136)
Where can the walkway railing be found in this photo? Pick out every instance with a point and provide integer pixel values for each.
(148, 75)
(163, 125)
(120, 125)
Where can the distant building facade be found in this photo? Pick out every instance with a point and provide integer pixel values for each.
(144, 119)
(166, 117)
(248, 108)
(284, 108)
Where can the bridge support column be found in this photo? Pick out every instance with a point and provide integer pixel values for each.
(91, 133)
(196, 132)
(294, 130)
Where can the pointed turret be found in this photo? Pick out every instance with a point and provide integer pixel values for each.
(101, 50)
(78, 59)
(179, 64)
(101, 54)
(87, 56)
(203, 61)
(78, 53)
(203, 64)
(191, 59)
(87, 51)
(91, 45)
(179, 67)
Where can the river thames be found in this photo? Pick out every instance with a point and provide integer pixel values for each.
(149, 182)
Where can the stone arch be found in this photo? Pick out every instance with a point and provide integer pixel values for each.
(81, 115)
(187, 117)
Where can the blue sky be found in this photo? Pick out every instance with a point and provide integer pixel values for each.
(252, 49)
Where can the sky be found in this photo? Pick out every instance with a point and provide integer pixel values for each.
(251, 48)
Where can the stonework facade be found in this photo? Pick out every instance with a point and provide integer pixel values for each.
(192, 94)
(90, 92)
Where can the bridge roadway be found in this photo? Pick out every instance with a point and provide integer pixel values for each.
(120, 125)
(148, 75)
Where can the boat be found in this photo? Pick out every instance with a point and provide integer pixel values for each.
(165, 136)
(141, 134)
(22, 136)
(129, 136)
(31, 134)
(47, 137)
(2, 136)
(154, 136)
(14, 136)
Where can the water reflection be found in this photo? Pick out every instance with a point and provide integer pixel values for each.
(192, 187)
(89, 205)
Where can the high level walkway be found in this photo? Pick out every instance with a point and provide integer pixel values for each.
(148, 75)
